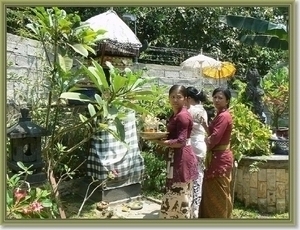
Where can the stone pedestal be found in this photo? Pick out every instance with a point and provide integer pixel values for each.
(110, 195)
(268, 188)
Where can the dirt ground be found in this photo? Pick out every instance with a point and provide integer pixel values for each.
(148, 208)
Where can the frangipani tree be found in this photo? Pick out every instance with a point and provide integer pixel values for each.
(276, 98)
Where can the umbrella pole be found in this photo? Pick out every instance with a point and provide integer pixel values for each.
(201, 71)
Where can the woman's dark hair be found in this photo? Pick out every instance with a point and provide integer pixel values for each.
(180, 88)
(198, 96)
(226, 93)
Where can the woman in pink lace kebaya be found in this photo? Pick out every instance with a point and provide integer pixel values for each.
(182, 164)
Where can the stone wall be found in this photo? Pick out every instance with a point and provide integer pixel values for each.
(26, 75)
(268, 188)
(170, 75)
(25, 69)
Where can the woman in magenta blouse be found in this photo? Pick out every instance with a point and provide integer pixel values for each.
(216, 199)
(182, 166)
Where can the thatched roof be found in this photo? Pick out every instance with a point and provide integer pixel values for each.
(120, 38)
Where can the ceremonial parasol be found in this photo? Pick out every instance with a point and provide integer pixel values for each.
(221, 70)
(198, 62)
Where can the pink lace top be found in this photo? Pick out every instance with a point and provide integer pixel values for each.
(185, 161)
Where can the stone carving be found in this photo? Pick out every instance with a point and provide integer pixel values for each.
(254, 93)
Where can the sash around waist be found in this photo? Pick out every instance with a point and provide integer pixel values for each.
(221, 148)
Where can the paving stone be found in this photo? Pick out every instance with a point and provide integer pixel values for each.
(150, 210)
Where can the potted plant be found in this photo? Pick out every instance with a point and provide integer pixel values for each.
(276, 97)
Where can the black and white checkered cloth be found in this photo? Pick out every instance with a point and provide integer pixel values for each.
(107, 154)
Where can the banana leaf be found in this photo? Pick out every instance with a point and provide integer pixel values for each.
(265, 41)
(269, 34)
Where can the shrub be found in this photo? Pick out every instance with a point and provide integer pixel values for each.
(249, 136)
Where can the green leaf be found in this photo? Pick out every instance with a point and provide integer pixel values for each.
(83, 118)
(47, 203)
(132, 106)
(140, 97)
(89, 37)
(265, 41)
(76, 96)
(253, 24)
(15, 178)
(100, 37)
(44, 193)
(68, 63)
(50, 11)
(22, 166)
(9, 198)
(101, 74)
(99, 99)
(114, 111)
(103, 126)
(145, 92)
(92, 111)
(271, 35)
(65, 63)
(105, 109)
(33, 28)
(120, 129)
(38, 192)
(64, 23)
(79, 48)
(137, 83)
(101, 31)
(118, 83)
(93, 75)
(88, 48)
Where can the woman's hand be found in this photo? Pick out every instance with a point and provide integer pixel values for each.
(203, 123)
(162, 142)
(207, 140)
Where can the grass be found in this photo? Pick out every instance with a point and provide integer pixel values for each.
(240, 212)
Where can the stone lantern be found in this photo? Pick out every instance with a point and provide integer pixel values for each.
(25, 147)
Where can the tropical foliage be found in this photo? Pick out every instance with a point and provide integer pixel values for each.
(249, 136)
(118, 96)
(267, 34)
(26, 202)
(67, 42)
(187, 28)
(276, 89)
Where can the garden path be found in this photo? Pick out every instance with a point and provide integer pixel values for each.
(150, 210)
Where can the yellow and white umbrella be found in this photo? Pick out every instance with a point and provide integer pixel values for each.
(222, 70)
(198, 62)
